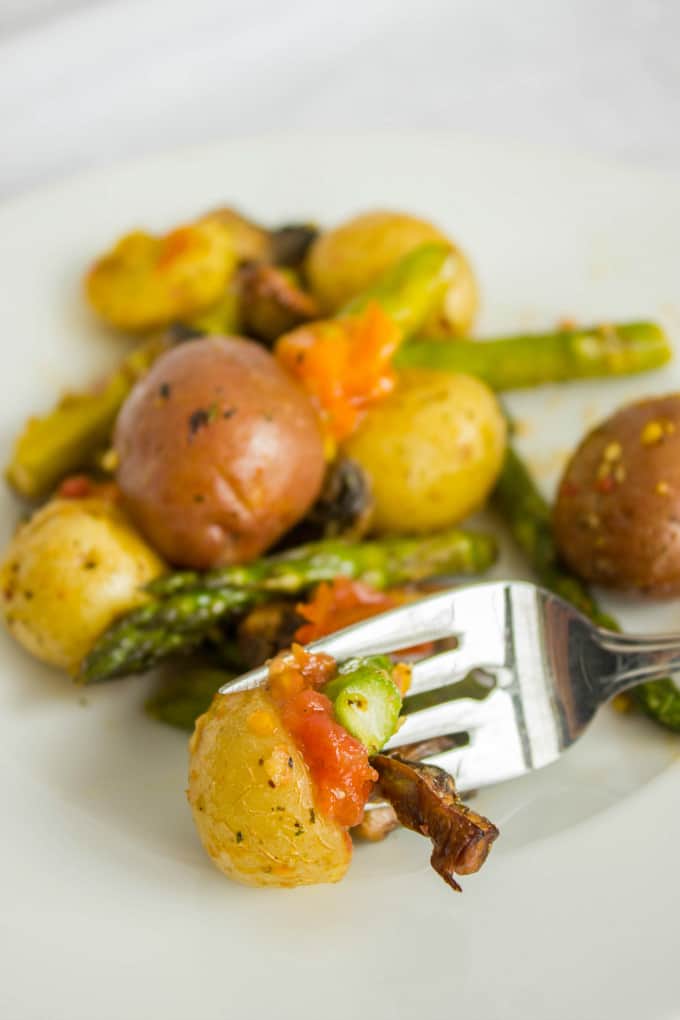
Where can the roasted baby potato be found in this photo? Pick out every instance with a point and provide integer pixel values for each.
(250, 241)
(252, 798)
(432, 451)
(68, 572)
(145, 282)
(618, 503)
(219, 452)
(347, 260)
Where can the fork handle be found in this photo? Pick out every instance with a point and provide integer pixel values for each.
(639, 658)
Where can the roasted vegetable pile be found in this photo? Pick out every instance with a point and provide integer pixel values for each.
(296, 444)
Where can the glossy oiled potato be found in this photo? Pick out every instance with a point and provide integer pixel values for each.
(432, 451)
(147, 281)
(219, 452)
(68, 572)
(344, 261)
(618, 504)
(252, 798)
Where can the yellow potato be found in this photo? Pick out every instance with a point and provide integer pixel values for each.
(344, 261)
(432, 451)
(251, 242)
(252, 798)
(145, 282)
(68, 572)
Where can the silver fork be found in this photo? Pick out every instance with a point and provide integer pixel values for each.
(524, 678)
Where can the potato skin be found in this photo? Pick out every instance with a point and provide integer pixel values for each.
(68, 572)
(348, 259)
(252, 799)
(432, 451)
(219, 452)
(618, 503)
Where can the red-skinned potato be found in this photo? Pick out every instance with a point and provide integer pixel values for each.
(219, 452)
(618, 504)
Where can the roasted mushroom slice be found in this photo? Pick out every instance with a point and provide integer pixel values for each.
(425, 800)
(344, 508)
(266, 630)
(271, 302)
(377, 824)
(290, 243)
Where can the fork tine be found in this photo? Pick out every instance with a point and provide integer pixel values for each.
(416, 623)
(455, 715)
(495, 751)
(428, 619)
(448, 667)
(473, 611)
(476, 766)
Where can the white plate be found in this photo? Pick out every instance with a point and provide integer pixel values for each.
(109, 907)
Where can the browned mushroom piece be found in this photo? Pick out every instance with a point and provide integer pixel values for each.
(266, 630)
(344, 508)
(271, 302)
(377, 824)
(425, 800)
(290, 243)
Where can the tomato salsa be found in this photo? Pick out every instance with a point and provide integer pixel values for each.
(338, 762)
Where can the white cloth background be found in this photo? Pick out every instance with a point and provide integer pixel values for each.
(85, 82)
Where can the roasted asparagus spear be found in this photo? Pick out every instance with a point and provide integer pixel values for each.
(527, 514)
(68, 436)
(411, 289)
(528, 517)
(181, 612)
(184, 695)
(382, 563)
(531, 359)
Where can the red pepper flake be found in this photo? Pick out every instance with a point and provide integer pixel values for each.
(606, 484)
(84, 487)
(75, 487)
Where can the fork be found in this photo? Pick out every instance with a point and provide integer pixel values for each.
(516, 676)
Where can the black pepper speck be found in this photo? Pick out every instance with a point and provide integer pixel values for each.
(198, 420)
